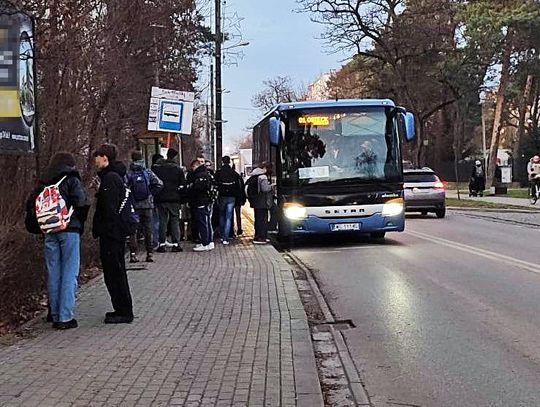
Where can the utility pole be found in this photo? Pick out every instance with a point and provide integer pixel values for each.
(212, 125)
(219, 90)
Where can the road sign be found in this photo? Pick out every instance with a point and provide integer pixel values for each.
(171, 111)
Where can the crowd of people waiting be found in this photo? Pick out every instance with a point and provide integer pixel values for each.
(158, 204)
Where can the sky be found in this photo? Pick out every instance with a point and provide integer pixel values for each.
(282, 42)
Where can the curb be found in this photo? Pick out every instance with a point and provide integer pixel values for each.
(306, 377)
(473, 209)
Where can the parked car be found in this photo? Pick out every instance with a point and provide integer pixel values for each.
(424, 192)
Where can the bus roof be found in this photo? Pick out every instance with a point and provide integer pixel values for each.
(333, 103)
(317, 104)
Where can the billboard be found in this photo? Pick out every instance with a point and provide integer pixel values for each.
(18, 124)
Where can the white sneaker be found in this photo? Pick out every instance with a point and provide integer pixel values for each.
(226, 243)
(212, 245)
(201, 248)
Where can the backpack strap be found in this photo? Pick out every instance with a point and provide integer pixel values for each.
(59, 182)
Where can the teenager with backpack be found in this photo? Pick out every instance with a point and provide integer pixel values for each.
(203, 193)
(144, 184)
(58, 208)
(113, 228)
(169, 199)
(230, 190)
(259, 194)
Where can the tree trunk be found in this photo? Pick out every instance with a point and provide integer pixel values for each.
(499, 109)
(519, 168)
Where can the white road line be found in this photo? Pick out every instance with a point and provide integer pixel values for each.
(534, 268)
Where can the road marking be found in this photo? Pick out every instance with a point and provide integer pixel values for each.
(532, 267)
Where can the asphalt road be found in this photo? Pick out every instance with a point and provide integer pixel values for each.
(446, 313)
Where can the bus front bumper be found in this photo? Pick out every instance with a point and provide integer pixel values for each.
(367, 224)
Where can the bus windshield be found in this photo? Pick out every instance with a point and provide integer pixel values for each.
(339, 145)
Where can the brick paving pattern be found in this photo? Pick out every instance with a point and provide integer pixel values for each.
(225, 328)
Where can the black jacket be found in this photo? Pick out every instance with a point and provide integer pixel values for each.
(73, 192)
(199, 179)
(173, 179)
(228, 182)
(109, 196)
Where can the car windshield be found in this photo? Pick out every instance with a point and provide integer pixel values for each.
(329, 145)
(419, 177)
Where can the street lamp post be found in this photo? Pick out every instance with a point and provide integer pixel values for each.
(218, 116)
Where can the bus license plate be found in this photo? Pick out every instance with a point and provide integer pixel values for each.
(345, 227)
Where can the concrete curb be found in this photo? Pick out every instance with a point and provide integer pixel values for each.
(306, 377)
(469, 209)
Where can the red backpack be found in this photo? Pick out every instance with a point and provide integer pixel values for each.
(52, 213)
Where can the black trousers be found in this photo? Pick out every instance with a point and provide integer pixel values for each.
(261, 224)
(115, 276)
(145, 219)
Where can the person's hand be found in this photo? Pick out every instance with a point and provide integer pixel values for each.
(95, 183)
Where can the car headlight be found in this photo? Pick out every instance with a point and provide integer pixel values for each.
(294, 211)
(393, 207)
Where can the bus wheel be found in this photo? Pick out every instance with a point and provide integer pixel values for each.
(378, 235)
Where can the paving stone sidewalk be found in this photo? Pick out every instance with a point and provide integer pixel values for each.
(224, 328)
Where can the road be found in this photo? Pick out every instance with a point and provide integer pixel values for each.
(446, 313)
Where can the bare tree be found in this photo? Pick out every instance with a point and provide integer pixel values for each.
(277, 90)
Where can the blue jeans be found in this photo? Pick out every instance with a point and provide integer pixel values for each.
(62, 255)
(204, 224)
(226, 211)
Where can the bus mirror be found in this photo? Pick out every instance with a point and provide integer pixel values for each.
(406, 125)
(275, 127)
(410, 126)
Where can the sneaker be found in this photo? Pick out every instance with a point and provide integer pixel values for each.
(201, 248)
(133, 258)
(66, 325)
(226, 243)
(118, 319)
(110, 314)
(212, 245)
(149, 258)
(177, 249)
(161, 249)
(256, 241)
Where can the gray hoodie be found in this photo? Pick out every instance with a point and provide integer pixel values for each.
(264, 199)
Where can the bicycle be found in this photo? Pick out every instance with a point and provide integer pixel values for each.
(534, 190)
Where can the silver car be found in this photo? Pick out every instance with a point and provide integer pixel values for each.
(424, 192)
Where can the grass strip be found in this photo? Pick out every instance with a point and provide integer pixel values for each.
(470, 203)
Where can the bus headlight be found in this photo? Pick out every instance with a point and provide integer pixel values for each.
(393, 207)
(294, 211)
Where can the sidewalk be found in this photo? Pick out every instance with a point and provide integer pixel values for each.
(219, 328)
(493, 199)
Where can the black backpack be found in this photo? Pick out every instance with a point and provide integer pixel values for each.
(252, 186)
(129, 220)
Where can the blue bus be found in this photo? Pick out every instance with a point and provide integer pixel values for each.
(337, 165)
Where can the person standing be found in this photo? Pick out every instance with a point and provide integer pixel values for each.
(108, 228)
(259, 193)
(144, 184)
(202, 191)
(62, 237)
(169, 199)
(155, 214)
(190, 177)
(229, 187)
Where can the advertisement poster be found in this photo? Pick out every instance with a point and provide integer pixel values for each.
(17, 85)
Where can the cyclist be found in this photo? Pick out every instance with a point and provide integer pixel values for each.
(533, 170)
